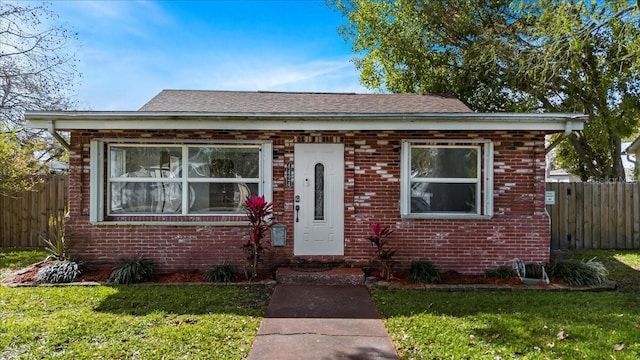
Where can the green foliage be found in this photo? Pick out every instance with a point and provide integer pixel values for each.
(133, 270)
(55, 244)
(502, 272)
(221, 274)
(579, 272)
(259, 213)
(19, 170)
(515, 56)
(424, 272)
(379, 238)
(58, 272)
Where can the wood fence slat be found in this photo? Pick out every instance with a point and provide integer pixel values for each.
(614, 215)
(628, 216)
(635, 200)
(552, 210)
(571, 217)
(596, 216)
(578, 201)
(587, 216)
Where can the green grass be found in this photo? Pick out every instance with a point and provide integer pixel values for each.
(15, 259)
(208, 321)
(623, 266)
(520, 324)
(133, 322)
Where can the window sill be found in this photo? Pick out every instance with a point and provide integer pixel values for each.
(171, 223)
(447, 216)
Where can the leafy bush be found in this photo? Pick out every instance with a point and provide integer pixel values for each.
(220, 273)
(424, 272)
(59, 272)
(384, 253)
(134, 270)
(259, 213)
(502, 272)
(579, 272)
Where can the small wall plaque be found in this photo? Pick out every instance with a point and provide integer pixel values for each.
(278, 235)
(549, 197)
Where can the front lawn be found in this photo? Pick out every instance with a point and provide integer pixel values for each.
(519, 324)
(218, 322)
(15, 259)
(132, 322)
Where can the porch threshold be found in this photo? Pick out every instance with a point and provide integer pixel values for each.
(335, 276)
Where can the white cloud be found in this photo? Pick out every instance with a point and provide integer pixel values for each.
(133, 49)
(127, 82)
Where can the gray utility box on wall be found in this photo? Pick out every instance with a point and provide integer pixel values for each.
(278, 235)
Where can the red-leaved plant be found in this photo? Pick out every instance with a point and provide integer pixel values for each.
(259, 212)
(379, 238)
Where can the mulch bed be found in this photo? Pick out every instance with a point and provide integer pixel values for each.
(27, 277)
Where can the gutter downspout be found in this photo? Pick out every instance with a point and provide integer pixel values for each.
(636, 168)
(568, 129)
(52, 130)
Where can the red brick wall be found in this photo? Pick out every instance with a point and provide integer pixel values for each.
(518, 229)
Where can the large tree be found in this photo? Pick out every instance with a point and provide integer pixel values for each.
(37, 72)
(37, 62)
(521, 56)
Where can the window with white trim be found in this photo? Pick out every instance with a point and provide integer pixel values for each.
(179, 179)
(447, 178)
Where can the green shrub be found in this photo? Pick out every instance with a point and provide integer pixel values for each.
(58, 272)
(133, 270)
(424, 272)
(502, 272)
(220, 273)
(55, 244)
(579, 272)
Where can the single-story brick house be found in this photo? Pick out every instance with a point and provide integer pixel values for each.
(462, 189)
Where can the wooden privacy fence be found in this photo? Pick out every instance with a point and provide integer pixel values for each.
(595, 215)
(24, 218)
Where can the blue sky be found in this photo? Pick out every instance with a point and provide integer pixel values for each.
(130, 50)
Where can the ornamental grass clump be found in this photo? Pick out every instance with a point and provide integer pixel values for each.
(59, 272)
(259, 213)
(220, 274)
(424, 272)
(379, 238)
(133, 270)
(579, 272)
(502, 272)
(55, 243)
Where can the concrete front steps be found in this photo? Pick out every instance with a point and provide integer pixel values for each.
(334, 276)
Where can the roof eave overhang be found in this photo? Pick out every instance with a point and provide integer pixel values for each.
(137, 120)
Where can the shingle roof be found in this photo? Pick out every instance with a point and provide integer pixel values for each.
(300, 102)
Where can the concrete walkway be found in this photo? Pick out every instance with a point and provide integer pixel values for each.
(323, 322)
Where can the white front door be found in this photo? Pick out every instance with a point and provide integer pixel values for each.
(319, 199)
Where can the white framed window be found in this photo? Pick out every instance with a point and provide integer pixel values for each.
(447, 178)
(162, 178)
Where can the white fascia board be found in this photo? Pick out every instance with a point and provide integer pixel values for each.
(135, 120)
